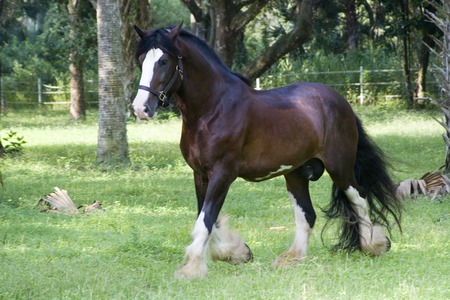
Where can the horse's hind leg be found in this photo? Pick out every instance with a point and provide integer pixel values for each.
(358, 230)
(372, 237)
(298, 190)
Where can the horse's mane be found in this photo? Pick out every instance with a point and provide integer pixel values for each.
(158, 39)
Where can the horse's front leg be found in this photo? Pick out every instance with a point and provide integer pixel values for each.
(201, 184)
(216, 188)
(227, 245)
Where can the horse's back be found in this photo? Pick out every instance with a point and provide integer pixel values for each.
(310, 103)
(307, 94)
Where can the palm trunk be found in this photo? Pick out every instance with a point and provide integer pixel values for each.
(133, 12)
(112, 145)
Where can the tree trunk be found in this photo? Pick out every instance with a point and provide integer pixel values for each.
(133, 12)
(428, 30)
(224, 22)
(227, 20)
(406, 41)
(200, 19)
(112, 145)
(351, 24)
(225, 37)
(77, 100)
(421, 81)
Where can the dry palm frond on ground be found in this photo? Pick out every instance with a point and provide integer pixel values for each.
(60, 202)
(434, 185)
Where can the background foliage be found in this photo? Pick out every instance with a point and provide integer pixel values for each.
(34, 40)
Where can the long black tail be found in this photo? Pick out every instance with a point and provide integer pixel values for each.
(375, 185)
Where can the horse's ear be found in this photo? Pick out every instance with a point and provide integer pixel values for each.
(139, 31)
(175, 31)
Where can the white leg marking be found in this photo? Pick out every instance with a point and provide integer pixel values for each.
(372, 237)
(227, 245)
(303, 231)
(299, 249)
(195, 264)
(148, 65)
(359, 204)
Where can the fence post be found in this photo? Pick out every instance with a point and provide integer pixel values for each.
(2, 96)
(39, 91)
(258, 87)
(361, 89)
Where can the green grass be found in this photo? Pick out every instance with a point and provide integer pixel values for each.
(132, 248)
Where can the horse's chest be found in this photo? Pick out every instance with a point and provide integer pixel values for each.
(193, 150)
(203, 149)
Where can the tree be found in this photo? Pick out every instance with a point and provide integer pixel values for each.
(222, 21)
(428, 31)
(77, 101)
(406, 42)
(351, 24)
(112, 145)
(227, 20)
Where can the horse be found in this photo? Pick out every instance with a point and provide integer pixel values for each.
(231, 130)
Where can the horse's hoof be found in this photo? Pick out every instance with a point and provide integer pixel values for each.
(378, 244)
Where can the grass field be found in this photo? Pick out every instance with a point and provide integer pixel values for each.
(132, 248)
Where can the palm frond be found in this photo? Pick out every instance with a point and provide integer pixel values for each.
(431, 184)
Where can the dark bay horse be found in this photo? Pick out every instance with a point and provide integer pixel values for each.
(231, 130)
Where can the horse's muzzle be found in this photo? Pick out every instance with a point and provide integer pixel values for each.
(144, 112)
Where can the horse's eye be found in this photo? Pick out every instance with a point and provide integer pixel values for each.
(163, 62)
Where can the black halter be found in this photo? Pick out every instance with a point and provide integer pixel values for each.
(165, 94)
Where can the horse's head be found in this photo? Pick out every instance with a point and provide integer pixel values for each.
(162, 70)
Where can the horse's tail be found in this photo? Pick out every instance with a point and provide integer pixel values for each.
(375, 185)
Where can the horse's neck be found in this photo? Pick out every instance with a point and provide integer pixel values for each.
(200, 89)
(205, 84)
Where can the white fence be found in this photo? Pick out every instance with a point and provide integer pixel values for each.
(37, 92)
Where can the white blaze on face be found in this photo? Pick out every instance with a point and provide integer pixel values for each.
(147, 74)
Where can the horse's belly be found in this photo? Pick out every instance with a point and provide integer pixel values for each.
(260, 175)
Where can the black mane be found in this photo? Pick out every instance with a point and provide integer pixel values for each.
(158, 39)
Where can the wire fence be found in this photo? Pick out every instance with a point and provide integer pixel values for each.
(35, 92)
(358, 86)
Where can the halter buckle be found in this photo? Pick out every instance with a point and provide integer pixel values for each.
(162, 96)
(180, 71)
